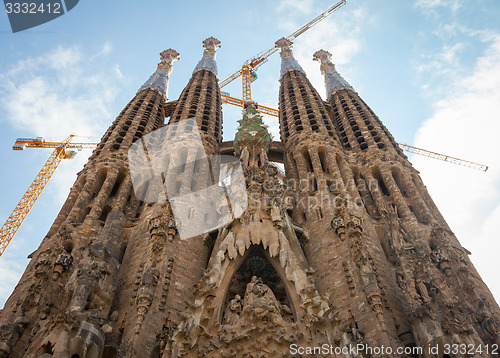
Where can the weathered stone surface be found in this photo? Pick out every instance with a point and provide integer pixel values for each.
(348, 249)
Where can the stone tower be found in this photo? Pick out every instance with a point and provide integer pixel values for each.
(173, 243)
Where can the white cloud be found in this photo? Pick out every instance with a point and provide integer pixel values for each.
(295, 7)
(11, 271)
(452, 61)
(118, 71)
(290, 10)
(466, 124)
(106, 48)
(429, 6)
(446, 62)
(274, 127)
(54, 95)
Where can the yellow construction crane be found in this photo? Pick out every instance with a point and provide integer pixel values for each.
(62, 150)
(443, 157)
(226, 98)
(248, 70)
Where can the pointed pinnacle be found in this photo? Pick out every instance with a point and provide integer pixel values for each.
(207, 62)
(211, 43)
(322, 56)
(169, 56)
(333, 80)
(284, 43)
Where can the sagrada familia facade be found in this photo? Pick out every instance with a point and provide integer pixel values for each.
(345, 255)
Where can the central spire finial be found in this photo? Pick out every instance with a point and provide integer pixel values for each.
(252, 140)
(288, 62)
(207, 62)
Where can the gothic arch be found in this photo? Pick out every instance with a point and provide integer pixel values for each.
(220, 299)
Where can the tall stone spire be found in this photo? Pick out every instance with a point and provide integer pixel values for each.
(84, 250)
(357, 125)
(159, 79)
(333, 80)
(200, 99)
(207, 62)
(288, 62)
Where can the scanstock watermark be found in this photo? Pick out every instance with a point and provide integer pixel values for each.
(355, 350)
(362, 349)
(24, 15)
(205, 191)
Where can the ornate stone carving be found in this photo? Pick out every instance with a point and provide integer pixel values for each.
(62, 264)
(10, 334)
(145, 294)
(166, 283)
(455, 321)
(339, 226)
(233, 310)
(44, 261)
(488, 322)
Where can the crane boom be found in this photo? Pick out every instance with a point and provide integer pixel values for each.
(319, 18)
(248, 68)
(39, 142)
(241, 103)
(443, 157)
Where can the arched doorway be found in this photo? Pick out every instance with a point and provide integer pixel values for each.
(256, 263)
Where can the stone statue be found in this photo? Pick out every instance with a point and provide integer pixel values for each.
(286, 313)
(422, 287)
(261, 303)
(233, 310)
(258, 291)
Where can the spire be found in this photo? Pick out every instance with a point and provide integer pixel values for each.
(207, 62)
(288, 62)
(333, 80)
(159, 80)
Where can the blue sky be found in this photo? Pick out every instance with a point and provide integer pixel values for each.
(430, 69)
